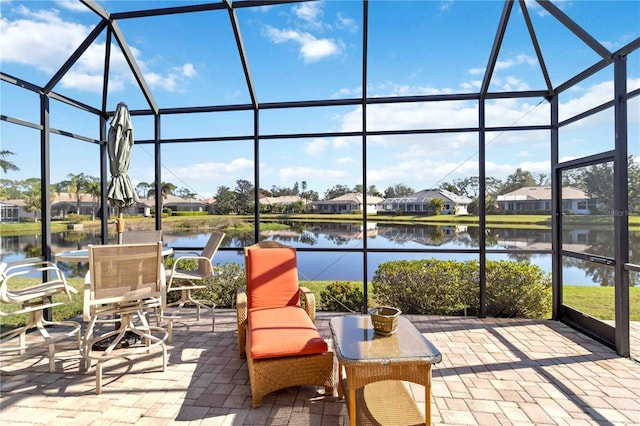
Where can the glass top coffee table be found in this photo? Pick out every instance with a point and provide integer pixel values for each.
(367, 358)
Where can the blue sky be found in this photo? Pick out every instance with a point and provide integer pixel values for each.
(313, 51)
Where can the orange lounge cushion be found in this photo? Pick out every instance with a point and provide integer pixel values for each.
(284, 331)
(272, 278)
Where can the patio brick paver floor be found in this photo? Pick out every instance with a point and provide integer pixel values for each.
(494, 371)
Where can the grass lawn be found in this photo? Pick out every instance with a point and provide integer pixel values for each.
(599, 301)
(60, 313)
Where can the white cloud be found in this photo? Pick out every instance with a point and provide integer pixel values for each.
(446, 5)
(419, 172)
(477, 71)
(536, 167)
(40, 39)
(509, 83)
(311, 48)
(585, 98)
(471, 86)
(309, 11)
(43, 40)
(417, 158)
(345, 23)
(291, 174)
(517, 60)
(88, 82)
(72, 5)
(173, 81)
(346, 160)
(204, 176)
(316, 147)
(239, 164)
(347, 93)
(188, 70)
(508, 63)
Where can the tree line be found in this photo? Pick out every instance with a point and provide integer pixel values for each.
(595, 180)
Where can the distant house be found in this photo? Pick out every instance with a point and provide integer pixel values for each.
(420, 202)
(282, 204)
(538, 198)
(12, 211)
(144, 206)
(65, 203)
(61, 204)
(347, 203)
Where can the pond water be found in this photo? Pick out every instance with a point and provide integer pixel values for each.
(333, 265)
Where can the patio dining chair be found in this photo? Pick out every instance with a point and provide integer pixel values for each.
(49, 282)
(190, 272)
(126, 281)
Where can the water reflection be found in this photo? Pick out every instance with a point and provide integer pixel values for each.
(379, 236)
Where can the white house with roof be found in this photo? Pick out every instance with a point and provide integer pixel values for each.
(538, 198)
(13, 211)
(63, 203)
(347, 203)
(282, 204)
(144, 206)
(420, 202)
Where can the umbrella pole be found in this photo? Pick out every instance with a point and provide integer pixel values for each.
(120, 225)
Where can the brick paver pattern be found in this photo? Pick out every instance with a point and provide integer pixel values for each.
(493, 372)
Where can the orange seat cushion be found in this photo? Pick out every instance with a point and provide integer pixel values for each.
(284, 331)
(272, 278)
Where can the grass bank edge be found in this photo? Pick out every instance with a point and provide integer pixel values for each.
(246, 222)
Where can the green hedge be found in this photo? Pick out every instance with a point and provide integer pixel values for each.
(341, 296)
(447, 287)
(221, 289)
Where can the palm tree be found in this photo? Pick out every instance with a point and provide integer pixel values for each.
(33, 202)
(75, 184)
(142, 189)
(436, 205)
(33, 198)
(166, 188)
(93, 188)
(7, 165)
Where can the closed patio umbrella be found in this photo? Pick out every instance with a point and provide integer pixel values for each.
(120, 142)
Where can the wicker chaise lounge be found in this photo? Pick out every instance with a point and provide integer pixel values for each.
(276, 334)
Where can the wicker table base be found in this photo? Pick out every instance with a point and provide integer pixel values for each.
(386, 403)
(367, 359)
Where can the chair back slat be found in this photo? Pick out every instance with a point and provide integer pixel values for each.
(125, 272)
(210, 251)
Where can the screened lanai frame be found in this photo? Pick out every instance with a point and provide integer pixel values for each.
(617, 336)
